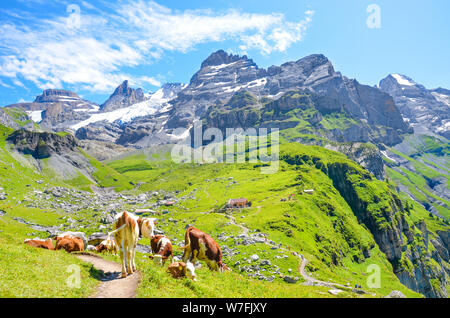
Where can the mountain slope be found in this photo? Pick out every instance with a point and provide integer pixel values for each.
(349, 209)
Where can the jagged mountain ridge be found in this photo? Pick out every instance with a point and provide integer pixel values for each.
(216, 82)
(221, 76)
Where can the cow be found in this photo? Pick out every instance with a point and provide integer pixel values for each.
(109, 246)
(128, 228)
(81, 235)
(181, 269)
(69, 243)
(162, 249)
(37, 242)
(199, 245)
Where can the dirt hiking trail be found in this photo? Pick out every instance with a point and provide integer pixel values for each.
(112, 285)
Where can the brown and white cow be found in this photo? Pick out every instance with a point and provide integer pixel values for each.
(46, 244)
(69, 243)
(127, 230)
(199, 245)
(109, 246)
(181, 269)
(162, 249)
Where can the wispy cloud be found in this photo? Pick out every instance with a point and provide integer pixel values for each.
(91, 50)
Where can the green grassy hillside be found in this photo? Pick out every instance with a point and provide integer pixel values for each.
(312, 224)
(324, 227)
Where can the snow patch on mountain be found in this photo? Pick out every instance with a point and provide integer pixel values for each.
(402, 80)
(35, 116)
(157, 102)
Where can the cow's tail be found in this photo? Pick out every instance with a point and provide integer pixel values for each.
(115, 231)
(187, 243)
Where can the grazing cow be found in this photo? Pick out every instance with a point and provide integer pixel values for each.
(161, 248)
(199, 245)
(128, 228)
(69, 243)
(81, 235)
(109, 246)
(180, 269)
(47, 244)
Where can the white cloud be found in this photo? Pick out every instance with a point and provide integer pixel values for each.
(52, 53)
(5, 85)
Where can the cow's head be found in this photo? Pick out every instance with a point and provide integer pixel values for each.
(190, 269)
(147, 226)
(223, 267)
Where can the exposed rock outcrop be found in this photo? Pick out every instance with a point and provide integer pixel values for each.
(7, 120)
(42, 144)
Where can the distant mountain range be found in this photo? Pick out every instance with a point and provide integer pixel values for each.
(131, 118)
(306, 99)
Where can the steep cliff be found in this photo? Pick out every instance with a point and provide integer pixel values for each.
(418, 264)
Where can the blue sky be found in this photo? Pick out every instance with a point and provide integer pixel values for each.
(91, 46)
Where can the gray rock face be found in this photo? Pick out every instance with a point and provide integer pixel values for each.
(123, 96)
(368, 157)
(7, 120)
(42, 145)
(421, 107)
(100, 131)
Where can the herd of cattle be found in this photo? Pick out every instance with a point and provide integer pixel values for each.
(128, 228)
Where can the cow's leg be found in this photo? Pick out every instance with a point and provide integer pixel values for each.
(129, 264)
(194, 256)
(187, 253)
(133, 254)
(123, 257)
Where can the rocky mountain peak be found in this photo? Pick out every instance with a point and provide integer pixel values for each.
(314, 60)
(56, 95)
(398, 84)
(423, 108)
(123, 89)
(123, 96)
(221, 57)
